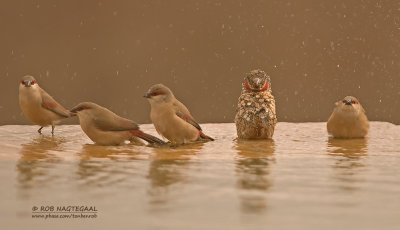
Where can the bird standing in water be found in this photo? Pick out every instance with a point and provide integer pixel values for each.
(38, 105)
(171, 118)
(255, 116)
(348, 119)
(104, 127)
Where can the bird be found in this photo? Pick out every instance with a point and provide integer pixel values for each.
(104, 127)
(255, 114)
(171, 118)
(39, 106)
(348, 119)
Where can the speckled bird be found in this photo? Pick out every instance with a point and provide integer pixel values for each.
(256, 115)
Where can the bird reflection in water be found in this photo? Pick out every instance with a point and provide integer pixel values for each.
(349, 155)
(168, 172)
(108, 165)
(253, 161)
(38, 157)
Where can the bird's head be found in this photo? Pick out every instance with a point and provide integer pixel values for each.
(83, 107)
(349, 103)
(257, 81)
(28, 81)
(159, 93)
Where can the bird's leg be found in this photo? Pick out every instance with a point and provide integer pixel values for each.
(52, 129)
(40, 130)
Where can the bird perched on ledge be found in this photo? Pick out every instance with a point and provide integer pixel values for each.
(348, 119)
(255, 115)
(39, 106)
(107, 128)
(171, 118)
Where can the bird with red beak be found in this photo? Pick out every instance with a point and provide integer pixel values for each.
(38, 105)
(104, 127)
(348, 119)
(255, 115)
(171, 118)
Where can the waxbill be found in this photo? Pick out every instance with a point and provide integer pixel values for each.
(39, 106)
(171, 118)
(255, 115)
(104, 127)
(348, 119)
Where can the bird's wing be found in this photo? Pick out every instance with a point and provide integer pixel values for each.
(189, 119)
(49, 103)
(113, 122)
(182, 112)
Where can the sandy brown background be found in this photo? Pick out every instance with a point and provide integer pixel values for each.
(110, 52)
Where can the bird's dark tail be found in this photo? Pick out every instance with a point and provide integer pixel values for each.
(147, 137)
(205, 137)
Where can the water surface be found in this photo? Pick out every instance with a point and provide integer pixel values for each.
(300, 180)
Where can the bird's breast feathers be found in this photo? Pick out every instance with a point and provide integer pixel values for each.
(256, 104)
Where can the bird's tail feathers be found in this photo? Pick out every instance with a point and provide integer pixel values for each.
(147, 137)
(205, 137)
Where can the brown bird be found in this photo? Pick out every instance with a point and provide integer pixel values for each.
(171, 118)
(255, 115)
(104, 127)
(348, 119)
(38, 105)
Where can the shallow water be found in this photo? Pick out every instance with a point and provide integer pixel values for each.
(300, 180)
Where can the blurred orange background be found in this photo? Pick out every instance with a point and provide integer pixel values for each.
(111, 52)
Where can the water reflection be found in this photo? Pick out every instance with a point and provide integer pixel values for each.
(37, 158)
(92, 151)
(252, 166)
(107, 165)
(168, 170)
(349, 155)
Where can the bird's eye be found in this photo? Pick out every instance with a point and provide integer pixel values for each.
(344, 101)
(33, 82)
(155, 93)
(247, 85)
(354, 102)
(80, 108)
(265, 86)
